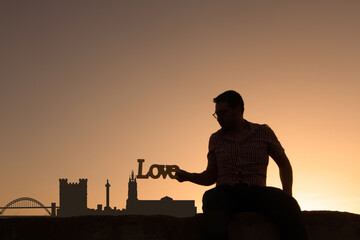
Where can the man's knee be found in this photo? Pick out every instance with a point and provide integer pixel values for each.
(209, 199)
(215, 198)
(294, 204)
(274, 197)
(289, 204)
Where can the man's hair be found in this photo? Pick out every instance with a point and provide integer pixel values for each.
(233, 98)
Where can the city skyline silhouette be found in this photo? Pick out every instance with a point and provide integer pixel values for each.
(72, 201)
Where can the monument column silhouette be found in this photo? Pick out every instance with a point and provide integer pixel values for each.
(107, 194)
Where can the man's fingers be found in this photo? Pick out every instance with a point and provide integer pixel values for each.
(179, 174)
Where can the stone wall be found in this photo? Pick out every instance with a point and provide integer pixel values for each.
(320, 225)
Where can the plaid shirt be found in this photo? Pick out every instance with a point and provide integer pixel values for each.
(244, 161)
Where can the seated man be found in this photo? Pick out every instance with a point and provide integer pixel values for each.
(237, 162)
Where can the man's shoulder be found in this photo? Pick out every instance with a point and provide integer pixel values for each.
(253, 127)
(215, 134)
(216, 138)
(218, 132)
(262, 130)
(257, 126)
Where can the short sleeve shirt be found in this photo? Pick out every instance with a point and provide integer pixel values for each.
(244, 161)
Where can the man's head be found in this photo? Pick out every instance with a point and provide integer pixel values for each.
(229, 108)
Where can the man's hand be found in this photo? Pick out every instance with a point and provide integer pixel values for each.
(182, 175)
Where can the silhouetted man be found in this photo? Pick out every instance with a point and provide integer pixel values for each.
(237, 162)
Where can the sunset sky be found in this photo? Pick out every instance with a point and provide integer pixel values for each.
(88, 87)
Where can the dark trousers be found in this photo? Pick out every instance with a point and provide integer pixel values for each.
(221, 203)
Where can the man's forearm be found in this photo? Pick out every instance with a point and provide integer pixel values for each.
(203, 178)
(286, 177)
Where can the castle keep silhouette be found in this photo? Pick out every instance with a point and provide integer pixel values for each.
(73, 202)
(73, 198)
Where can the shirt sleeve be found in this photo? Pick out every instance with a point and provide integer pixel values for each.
(274, 147)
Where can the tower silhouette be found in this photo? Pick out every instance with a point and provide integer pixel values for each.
(132, 192)
(107, 194)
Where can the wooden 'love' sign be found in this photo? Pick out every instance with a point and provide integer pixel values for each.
(156, 170)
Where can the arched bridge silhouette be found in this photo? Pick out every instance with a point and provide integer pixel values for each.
(26, 203)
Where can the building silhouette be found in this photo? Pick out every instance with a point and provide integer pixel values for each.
(164, 206)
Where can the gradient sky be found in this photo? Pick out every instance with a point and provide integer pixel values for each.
(88, 87)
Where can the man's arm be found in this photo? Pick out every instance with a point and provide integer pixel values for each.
(277, 152)
(286, 174)
(206, 178)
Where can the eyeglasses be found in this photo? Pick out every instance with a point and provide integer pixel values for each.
(220, 113)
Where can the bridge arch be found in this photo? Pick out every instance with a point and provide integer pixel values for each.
(25, 199)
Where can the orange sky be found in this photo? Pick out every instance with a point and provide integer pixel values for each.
(88, 87)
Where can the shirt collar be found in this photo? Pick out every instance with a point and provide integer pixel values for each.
(252, 126)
